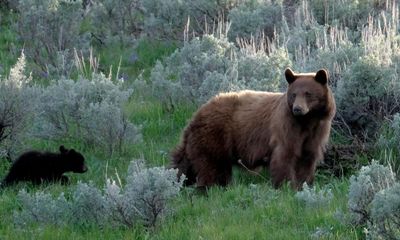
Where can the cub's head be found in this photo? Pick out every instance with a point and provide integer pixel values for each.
(308, 94)
(74, 160)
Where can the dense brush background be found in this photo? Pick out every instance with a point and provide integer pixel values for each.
(118, 80)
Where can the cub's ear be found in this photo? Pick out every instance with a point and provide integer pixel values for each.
(290, 76)
(63, 149)
(322, 76)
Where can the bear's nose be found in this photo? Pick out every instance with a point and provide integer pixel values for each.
(297, 111)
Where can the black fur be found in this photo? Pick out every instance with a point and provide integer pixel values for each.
(38, 167)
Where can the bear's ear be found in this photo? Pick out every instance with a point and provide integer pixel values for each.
(322, 76)
(63, 149)
(290, 76)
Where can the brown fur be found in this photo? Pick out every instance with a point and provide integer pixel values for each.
(285, 132)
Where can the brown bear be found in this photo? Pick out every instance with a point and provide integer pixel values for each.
(286, 132)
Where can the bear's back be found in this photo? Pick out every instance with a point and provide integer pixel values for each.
(236, 109)
(231, 122)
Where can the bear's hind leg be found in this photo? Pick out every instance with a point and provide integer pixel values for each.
(210, 173)
(225, 176)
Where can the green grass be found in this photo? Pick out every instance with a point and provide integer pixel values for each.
(232, 213)
(161, 130)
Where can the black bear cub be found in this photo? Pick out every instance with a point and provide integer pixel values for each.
(38, 167)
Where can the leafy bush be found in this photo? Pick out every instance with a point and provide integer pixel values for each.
(41, 208)
(385, 214)
(183, 73)
(334, 51)
(115, 20)
(89, 110)
(364, 96)
(387, 144)
(143, 200)
(303, 33)
(363, 187)
(252, 18)
(150, 189)
(17, 108)
(208, 65)
(389, 139)
(50, 30)
(88, 206)
(164, 19)
(313, 198)
(169, 19)
(350, 13)
(260, 65)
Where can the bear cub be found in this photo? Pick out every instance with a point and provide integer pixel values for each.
(38, 167)
(285, 132)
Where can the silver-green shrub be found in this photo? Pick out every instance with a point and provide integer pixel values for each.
(373, 75)
(164, 19)
(334, 51)
(303, 33)
(385, 214)
(18, 98)
(169, 18)
(115, 21)
(311, 197)
(206, 66)
(363, 95)
(88, 206)
(348, 13)
(363, 187)
(389, 139)
(50, 30)
(260, 64)
(107, 126)
(253, 18)
(142, 200)
(150, 189)
(42, 208)
(181, 76)
(90, 110)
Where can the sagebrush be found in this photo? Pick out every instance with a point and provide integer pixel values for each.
(90, 110)
(143, 200)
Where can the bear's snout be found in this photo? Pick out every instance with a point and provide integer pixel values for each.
(81, 169)
(84, 169)
(299, 111)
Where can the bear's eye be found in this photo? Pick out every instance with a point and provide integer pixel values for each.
(293, 95)
(308, 94)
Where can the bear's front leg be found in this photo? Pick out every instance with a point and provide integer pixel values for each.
(305, 168)
(304, 174)
(281, 169)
